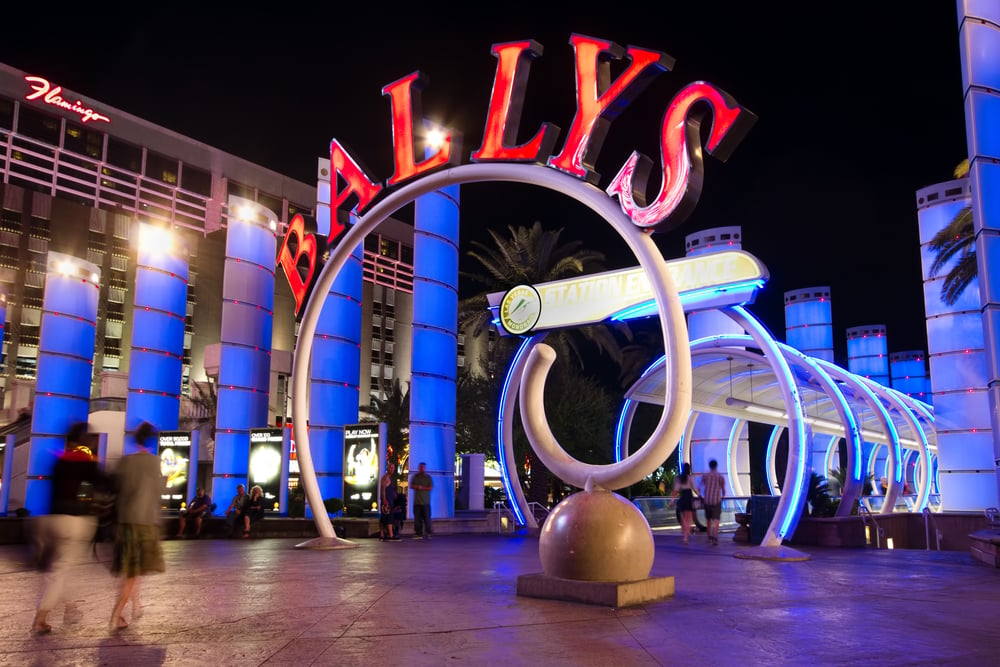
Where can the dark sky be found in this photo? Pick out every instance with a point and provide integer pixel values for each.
(859, 105)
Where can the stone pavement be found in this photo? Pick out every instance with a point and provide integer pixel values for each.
(451, 600)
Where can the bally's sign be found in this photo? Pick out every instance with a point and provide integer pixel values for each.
(599, 101)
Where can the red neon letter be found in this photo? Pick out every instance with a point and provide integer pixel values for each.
(504, 117)
(405, 100)
(297, 259)
(598, 103)
(680, 152)
(357, 183)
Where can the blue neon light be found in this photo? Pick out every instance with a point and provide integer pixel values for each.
(771, 442)
(619, 430)
(501, 410)
(690, 298)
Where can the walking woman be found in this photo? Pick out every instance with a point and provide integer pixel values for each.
(137, 539)
(684, 490)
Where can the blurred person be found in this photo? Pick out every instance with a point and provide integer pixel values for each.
(711, 492)
(684, 491)
(137, 542)
(66, 534)
(422, 485)
(199, 508)
(387, 527)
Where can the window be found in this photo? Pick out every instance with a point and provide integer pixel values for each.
(196, 180)
(294, 209)
(38, 125)
(161, 168)
(6, 113)
(239, 190)
(83, 141)
(406, 255)
(270, 202)
(124, 155)
(371, 243)
(389, 248)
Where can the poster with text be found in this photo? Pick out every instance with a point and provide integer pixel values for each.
(175, 466)
(265, 464)
(361, 465)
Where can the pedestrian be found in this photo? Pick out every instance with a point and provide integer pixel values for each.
(422, 485)
(711, 493)
(387, 501)
(66, 534)
(137, 542)
(684, 491)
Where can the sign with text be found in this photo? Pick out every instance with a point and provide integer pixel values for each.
(361, 465)
(265, 464)
(175, 466)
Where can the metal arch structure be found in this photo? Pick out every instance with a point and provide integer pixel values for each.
(829, 377)
(668, 303)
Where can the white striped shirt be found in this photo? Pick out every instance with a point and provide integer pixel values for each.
(711, 485)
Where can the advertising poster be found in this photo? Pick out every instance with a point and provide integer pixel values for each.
(361, 465)
(175, 461)
(293, 463)
(265, 464)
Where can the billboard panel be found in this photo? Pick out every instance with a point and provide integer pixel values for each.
(265, 464)
(361, 465)
(175, 463)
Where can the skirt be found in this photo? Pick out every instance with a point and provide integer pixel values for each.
(137, 550)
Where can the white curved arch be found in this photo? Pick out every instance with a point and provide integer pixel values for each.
(592, 197)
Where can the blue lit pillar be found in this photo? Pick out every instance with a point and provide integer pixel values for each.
(979, 40)
(867, 353)
(155, 359)
(809, 329)
(336, 374)
(711, 436)
(435, 344)
(964, 474)
(809, 322)
(65, 368)
(909, 374)
(245, 354)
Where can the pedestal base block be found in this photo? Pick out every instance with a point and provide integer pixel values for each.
(605, 593)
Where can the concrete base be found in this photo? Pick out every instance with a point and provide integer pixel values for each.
(326, 543)
(605, 593)
(781, 553)
(985, 546)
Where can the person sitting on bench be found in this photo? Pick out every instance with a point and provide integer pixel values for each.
(254, 511)
(199, 508)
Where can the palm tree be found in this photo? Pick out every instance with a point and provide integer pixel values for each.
(394, 410)
(957, 238)
(532, 255)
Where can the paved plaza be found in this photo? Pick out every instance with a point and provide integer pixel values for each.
(451, 600)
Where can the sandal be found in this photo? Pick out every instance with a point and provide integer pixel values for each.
(41, 629)
(120, 624)
(246, 534)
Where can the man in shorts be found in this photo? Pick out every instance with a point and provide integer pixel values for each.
(711, 492)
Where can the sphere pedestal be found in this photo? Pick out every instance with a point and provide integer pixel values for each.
(596, 547)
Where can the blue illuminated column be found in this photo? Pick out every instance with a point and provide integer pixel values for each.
(711, 433)
(909, 374)
(154, 375)
(245, 341)
(867, 353)
(979, 39)
(435, 344)
(809, 322)
(65, 368)
(957, 359)
(336, 369)
(809, 329)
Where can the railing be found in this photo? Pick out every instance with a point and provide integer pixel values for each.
(661, 511)
(539, 511)
(928, 522)
(866, 516)
(506, 522)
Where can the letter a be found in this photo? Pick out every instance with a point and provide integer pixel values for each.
(356, 183)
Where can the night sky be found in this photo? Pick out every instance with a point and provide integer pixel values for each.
(859, 105)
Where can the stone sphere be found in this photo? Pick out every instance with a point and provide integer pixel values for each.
(596, 536)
